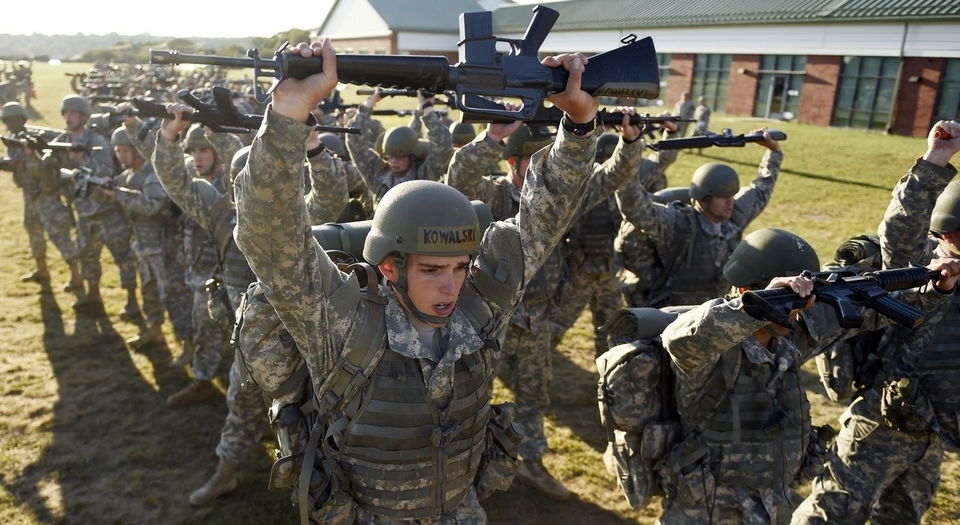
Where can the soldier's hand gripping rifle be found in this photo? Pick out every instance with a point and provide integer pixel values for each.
(221, 116)
(724, 139)
(547, 118)
(629, 70)
(845, 290)
(82, 179)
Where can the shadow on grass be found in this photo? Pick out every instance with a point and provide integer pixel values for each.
(804, 174)
(521, 505)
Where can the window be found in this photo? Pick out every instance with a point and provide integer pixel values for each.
(865, 92)
(948, 98)
(779, 82)
(711, 76)
(663, 64)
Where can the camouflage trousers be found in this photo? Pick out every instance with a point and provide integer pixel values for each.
(207, 339)
(526, 361)
(111, 229)
(48, 213)
(878, 473)
(246, 418)
(725, 504)
(164, 290)
(598, 290)
(468, 512)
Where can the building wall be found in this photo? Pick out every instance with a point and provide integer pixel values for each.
(819, 89)
(915, 100)
(681, 77)
(368, 45)
(742, 89)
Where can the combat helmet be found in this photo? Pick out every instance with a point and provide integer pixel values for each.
(400, 141)
(462, 132)
(769, 253)
(425, 218)
(239, 161)
(196, 138)
(76, 103)
(333, 143)
(522, 143)
(120, 138)
(714, 180)
(13, 109)
(606, 143)
(946, 213)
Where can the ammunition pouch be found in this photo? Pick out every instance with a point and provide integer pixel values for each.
(499, 462)
(816, 456)
(904, 406)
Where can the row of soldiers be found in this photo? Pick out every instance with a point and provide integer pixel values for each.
(669, 253)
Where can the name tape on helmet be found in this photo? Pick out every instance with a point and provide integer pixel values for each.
(450, 239)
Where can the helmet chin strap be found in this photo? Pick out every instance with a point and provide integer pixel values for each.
(401, 288)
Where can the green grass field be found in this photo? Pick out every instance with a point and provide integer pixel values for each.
(85, 438)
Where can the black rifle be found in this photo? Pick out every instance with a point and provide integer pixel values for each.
(547, 118)
(725, 139)
(82, 179)
(845, 290)
(38, 143)
(450, 101)
(10, 164)
(627, 71)
(221, 116)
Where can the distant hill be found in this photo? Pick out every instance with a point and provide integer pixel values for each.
(65, 47)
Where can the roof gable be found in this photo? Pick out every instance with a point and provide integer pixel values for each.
(434, 16)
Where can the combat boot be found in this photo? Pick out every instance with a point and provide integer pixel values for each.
(197, 391)
(153, 334)
(534, 475)
(224, 480)
(186, 356)
(608, 462)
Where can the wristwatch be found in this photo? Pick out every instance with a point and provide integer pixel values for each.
(579, 130)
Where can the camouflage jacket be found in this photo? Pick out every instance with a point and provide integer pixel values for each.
(101, 162)
(226, 145)
(328, 188)
(147, 205)
(321, 306)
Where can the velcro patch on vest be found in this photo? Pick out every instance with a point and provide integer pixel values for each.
(453, 240)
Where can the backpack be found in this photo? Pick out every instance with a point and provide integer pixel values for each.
(636, 394)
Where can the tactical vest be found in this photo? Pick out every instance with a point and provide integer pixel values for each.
(696, 277)
(148, 229)
(237, 274)
(595, 232)
(200, 253)
(940, 371)
(748, 438)
(404, 458)
(385, 180)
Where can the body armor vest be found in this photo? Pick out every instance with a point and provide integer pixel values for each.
(200, 254)
(149, 230)
(405, 458)
(594, 232)
(236, 271)
(939, 369)
(773, 431)
(386, 180)
(697, 277)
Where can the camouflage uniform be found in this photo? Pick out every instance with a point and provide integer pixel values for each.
(683, 109)
(156, 245)
(328, 193)
(321, 306)
(881, 473)
(716, 474)
(226, 145)
(376, 172)
(691, 248)
(43, 209)
(527, 346)
(100, 220)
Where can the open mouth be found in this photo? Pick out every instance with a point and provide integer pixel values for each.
(443, 309)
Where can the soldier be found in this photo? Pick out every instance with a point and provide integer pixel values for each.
(333, 164)
(429, 339)
(42, 207)
(527, 346)
(702, 116)
(462, 133)
(693, 242)
(156, 244)
(100, 220)
(744, 413)
(684, 109)
(400, 149)
(886, 466)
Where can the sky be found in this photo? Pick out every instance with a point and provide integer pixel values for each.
(208, 18)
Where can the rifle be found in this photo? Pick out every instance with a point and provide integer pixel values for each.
(221, 116)
(845, 290)
(481, 70)
(83, 178)
(547, 118)
(38, 143)
(450, 101)
(724, 139)
(10, 164)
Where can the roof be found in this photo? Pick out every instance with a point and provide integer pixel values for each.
(616, 14)
(429, 16)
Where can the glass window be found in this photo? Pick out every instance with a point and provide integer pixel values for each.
(711, 75)
(948, 98)
(779, 83)
(865, 92)
(663, 65)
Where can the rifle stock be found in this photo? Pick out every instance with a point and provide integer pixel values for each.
(481, 69)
